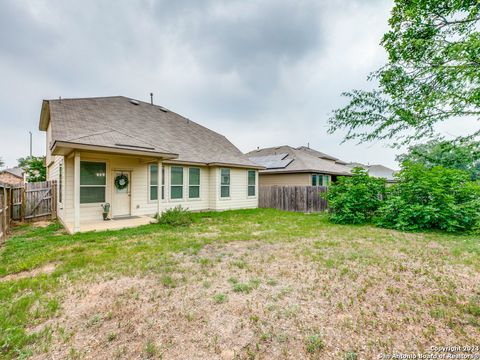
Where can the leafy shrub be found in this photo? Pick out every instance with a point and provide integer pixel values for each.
(354, 200)
(435, 198)
(176, 216)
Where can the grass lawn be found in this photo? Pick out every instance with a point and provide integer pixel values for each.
(237, 284)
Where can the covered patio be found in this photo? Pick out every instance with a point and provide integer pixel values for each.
(112, 224)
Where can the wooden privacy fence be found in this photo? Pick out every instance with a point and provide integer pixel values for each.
(5, 200)
(293, 198)
(29, 201)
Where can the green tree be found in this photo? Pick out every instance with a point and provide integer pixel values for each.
(34, 168)
(432, 74)
(431, 198)
(452, 155)
(354, 199)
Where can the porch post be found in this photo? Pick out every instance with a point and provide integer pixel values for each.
(159, 188)
(76, 191)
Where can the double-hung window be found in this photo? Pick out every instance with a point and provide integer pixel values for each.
(92, 182)
(225, 183)
(153, 193)
(317, 180)
(320, 180)
(194, 183)
(153, 185)
(176, 182)
(251, 182)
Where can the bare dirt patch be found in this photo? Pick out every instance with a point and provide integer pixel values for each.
(282, 300)
(47, 269)
(42, 224)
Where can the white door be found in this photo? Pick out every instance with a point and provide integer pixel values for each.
(121, 196)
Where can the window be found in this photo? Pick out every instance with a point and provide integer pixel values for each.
(320, 180)
(60, 182)
(92, 182)
(225, 183)
(176, 188)
(193, 183)
(153, 182)
(251, 182)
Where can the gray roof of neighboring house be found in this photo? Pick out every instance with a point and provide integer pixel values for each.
(376, 170)
(16, 171)
(301, 159)
(122, 123)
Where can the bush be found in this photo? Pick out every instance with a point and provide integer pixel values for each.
(354, 200)
(176, 216)
(436, 198)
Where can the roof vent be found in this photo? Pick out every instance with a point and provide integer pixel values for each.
(134, 102)
(162, 109)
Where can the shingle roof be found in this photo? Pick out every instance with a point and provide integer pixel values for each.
(123, 123)
(377, 170)
(16, 171)
(303, 159)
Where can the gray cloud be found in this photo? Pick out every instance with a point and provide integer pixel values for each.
(262, 73)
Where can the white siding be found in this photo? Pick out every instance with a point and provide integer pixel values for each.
(239, 198)
(140, 202)
(68, 202)
(54, 174)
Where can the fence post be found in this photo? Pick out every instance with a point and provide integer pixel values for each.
(22, 207)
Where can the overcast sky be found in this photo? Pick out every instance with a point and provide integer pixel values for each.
(263, 73)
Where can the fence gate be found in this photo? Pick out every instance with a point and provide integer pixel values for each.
(38, 200)
(17, 194)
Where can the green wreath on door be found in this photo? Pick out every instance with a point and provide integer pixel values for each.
(121, 181)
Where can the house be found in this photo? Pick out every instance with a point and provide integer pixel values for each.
(379, 171)
(301, 166)
(141, 159)
(12, 176)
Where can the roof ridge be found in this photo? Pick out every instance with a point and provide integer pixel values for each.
(89, 98)
(271, 147)
(113, 119)
(147, 103)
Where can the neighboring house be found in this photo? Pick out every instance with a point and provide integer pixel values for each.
(378, 171)
(140, 158)
(12, 176)
(302, 166)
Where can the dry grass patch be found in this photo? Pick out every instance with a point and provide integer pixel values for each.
(289, 302)
(46, 269)
(241, 284)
